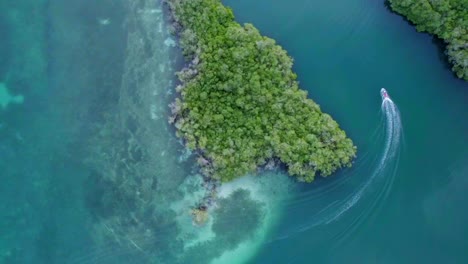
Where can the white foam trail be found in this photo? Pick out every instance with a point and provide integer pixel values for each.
(392, 144)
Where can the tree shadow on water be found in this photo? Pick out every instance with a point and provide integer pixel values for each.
(438, 42)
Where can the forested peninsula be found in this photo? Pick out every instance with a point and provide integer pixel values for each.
(447, 19)
(240, 107)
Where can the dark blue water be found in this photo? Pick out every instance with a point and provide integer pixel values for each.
(344, 53)
(91, 171)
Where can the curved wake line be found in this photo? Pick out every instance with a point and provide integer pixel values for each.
(392, 144)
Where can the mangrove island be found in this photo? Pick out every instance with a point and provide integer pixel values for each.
(448, 20)
(240, 107)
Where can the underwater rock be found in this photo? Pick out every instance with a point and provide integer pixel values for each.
(200, 215)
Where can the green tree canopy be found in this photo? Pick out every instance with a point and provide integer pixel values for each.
(241, 106)
(447, 19)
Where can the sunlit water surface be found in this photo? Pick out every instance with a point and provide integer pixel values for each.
(92, 172)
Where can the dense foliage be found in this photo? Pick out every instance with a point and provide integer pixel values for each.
(241, 106)
(448, 19)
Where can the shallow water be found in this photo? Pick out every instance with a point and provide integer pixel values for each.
(93, 173)
(345, 51)
(92, 170)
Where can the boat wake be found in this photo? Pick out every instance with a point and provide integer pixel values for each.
(392, 143)
(385, 164)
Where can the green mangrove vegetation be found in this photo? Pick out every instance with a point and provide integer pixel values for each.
(447, 19)
(241, 107)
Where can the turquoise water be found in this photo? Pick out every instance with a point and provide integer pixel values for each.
(344, 52)
(92, 172)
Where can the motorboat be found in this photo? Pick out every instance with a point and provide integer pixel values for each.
(384, 94)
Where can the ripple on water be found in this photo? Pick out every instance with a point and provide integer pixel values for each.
(364, 191)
